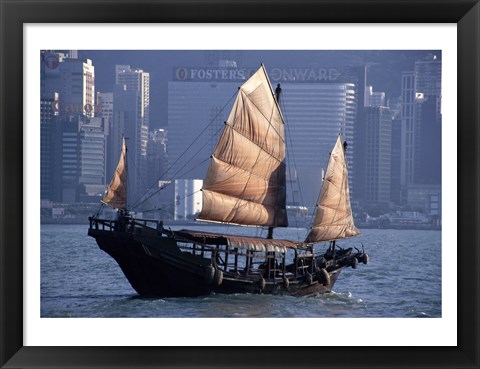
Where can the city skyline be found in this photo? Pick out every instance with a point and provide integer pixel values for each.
(161, 64)
(374, 82)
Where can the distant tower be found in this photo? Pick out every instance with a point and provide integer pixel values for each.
(92, 176)
(131, 116)
(104, 110)
(428, 166)
(428, 118)
(374, 99)
(423, 84)
(48, 117)
(156, 155)
(408, 128)
(395, 188)
(378, 147)
(67, 88)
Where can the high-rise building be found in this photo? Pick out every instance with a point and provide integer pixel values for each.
(72, 79)
(67, 104)
(395, 188)
(196, 115)
(78, 94)
(316, 114)
(131, 116)
(156, 156)
(428, 119)
(92, 173)
(317, 107)
(374, 99)
(428, 76)
(67, 158)
(428, 139)
(355, 154)
(408, 128)
(378, 148)
(421, 113)
(48, 116)
(104, 107)
(104, 110)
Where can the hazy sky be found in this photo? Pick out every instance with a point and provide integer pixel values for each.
(385, 67)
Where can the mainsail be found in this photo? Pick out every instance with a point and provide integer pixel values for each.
(116, 195)
(245, 183)
(333, 217)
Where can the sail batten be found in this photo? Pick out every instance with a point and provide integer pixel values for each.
(246, 179)
(116, 195)
(333, 216)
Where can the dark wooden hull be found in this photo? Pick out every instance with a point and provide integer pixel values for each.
(155, 266)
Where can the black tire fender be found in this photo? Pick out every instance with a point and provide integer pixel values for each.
(209, 274)
(323, 277)
(218, 279)
(262, 283)
(354, 263)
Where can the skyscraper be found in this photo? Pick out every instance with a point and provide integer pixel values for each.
(316, 105)
(419, 86)
(395, 188)
(428, 76)
(421, 133)
(156, 155)
(408, 128)
(131, 116)
(104, 107)
(374, 99)
(428, 167)
(68, 91)
(428, 118)
(92, 145)
(67, 157)
(378, 147)
(48, 117)
(316, 114)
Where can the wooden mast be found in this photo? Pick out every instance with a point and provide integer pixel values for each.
(278, 91)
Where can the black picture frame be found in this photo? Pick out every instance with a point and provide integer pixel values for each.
(466, 13)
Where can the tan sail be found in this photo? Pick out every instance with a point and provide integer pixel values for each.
(333, 217)
(116, 196)
(245, 183)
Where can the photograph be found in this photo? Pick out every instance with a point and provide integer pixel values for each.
(225, 185)
(241, 183)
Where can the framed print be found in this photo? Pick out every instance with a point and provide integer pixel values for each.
(39, 327)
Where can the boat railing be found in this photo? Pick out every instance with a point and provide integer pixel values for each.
(125, 224)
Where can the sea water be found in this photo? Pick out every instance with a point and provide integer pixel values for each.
(402, 279)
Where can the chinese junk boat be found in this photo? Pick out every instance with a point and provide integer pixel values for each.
(245, 185)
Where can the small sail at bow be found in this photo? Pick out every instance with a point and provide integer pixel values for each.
(333, 217)
(246, 183)
(116, 196)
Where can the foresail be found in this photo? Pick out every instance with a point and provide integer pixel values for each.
(245, 183)
(116, 195)
(333, 218)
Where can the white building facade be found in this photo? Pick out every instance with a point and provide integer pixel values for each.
(188, 198)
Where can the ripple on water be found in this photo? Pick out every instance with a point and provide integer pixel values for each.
(80, 280)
